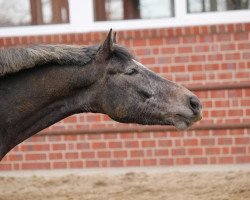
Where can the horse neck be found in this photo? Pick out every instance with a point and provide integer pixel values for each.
(35, 99)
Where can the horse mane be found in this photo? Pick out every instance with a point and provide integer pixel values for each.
(13, 60)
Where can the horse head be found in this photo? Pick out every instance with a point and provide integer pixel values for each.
(131, 93)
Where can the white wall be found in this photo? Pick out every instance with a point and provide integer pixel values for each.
(82, 20)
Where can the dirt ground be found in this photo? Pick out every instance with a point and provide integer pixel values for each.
(130, 186)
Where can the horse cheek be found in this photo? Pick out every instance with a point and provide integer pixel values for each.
(121, 112)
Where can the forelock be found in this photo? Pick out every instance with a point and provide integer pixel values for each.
(122, 53)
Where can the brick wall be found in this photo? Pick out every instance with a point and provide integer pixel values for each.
(213, 61)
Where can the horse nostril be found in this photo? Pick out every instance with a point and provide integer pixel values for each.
(195, 104)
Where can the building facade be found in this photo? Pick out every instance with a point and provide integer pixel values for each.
(203, 45)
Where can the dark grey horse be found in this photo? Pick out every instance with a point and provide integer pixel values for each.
(43, 84)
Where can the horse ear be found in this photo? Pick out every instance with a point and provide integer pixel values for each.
(106, 48)
(115, 38)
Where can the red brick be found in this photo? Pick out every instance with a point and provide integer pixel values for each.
(208, 141)
(35, 156)
(55, 156)
(215, 57)
(185, 49)
(218, 94)
(137, 153)
(247, 26)
(243, 46)
(212, 151)
(59, 165)
(181, 59)
(156, 41)
(53, 138)
(200, 77)
(120, 154)
(131, 144)
(201, 133)
(246, 55)
(71, 155)
(161, 152)
(194, 151)
(92, 163)
(189, 39)
(245, 103)
(164, 143)
(209, 67)
(143, 135)
(219, 132)
(201, 48)
(36, 147)
(4, 166)
(93, 118)
(115, 145)
(127, 136)
(94, 136)
(99, 145)
(167, 161)
(15, 157)
(148, 143)
(234, 93)
(221, 103)
(164, 60)
(87, 155)
(223, 37)
(242, 75)
(172, 40)
(243, 159)
(35, 139)
(238, 150)
(149, 162)
(117, 163)
(56, 147)
(132, 163)
(109, 136)
(103, 154)
(35, 165)
(168, 50)
(76, 164)
(241, 36)
(70, 137)
(225, 160)
(225, 75)
(225, 141)
(232, 56)
(228, 66)
(228, 47)
(235, 112)
(157, 135)
(178, 152)
(148, 60)
(144, 52)
(1, 42)
(198, 58)
(183, 161)
(190, 142)
(200, 161)
(206, 38)
(242, 140)
(83, 145)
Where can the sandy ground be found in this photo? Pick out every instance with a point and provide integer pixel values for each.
(130, 186)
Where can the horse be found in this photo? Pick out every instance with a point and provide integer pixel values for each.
(42, 84)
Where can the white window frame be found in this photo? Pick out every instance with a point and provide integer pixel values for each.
(82, 20)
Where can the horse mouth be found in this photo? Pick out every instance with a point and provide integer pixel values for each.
(184, 122)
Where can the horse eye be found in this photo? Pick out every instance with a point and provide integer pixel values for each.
(131, 71)
(112, 72)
